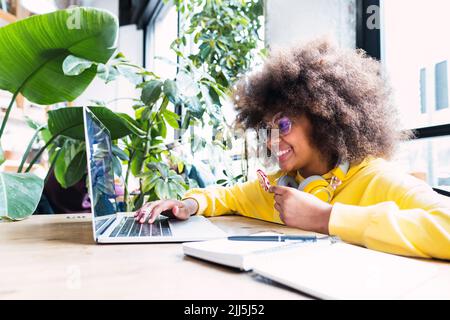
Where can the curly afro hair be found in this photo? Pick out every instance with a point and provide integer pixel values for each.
(341, 92)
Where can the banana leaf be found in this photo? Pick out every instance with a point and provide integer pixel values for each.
(32, 52)
(19, 194)
(69, 122)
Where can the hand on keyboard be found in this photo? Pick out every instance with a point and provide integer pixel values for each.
(181, 210)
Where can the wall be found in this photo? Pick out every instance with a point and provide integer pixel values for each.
(291, 21)
(130, 43)
(110, 5)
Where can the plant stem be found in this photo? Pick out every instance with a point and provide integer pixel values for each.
(38, 155)
(131, 65)
(27, 151)
(119, 99)
(8, 111)
(52, 165)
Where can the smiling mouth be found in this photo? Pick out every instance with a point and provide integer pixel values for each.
(283, 154)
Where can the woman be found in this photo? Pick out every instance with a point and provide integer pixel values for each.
(336, 125)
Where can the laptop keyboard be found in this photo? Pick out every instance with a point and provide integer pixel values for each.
(128, 227)
(99, 223)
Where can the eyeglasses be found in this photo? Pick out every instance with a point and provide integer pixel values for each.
(280, 122)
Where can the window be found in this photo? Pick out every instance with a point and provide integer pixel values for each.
(441, 85)
(409, 39)
(415, 55)
(428, 160)
(161, 31)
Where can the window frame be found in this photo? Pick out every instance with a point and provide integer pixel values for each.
(151, 13)
(371, 42)
(158, 8)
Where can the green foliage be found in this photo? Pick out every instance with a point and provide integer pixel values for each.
(33, 54)
(70, 166)
(69, 122)
(229, 181)
(18, 194)
(226, 33)
(227, 39)
(146, 153)
(33, 50)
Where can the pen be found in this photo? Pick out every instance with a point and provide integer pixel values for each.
(280, 238)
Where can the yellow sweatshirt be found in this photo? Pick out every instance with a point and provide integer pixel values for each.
(376, 206)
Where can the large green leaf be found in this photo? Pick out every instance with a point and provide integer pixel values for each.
(70, 122)
(19, 194)
(32, 52)
(74, 66)
(76, 169)
(151, 92)
(60, 168)
(136, 162)
(162, 190)
(70, 167)
(171, 118)
(171, 91)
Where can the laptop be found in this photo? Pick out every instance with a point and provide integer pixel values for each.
(111, 226)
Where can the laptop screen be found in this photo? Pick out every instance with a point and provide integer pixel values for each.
(100, 171)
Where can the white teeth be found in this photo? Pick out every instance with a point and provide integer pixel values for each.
(282, 152)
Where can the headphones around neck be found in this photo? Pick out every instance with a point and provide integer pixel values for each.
(318, 185)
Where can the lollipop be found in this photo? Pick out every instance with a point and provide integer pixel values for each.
(263, 180)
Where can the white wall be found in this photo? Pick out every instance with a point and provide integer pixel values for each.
(291, 21)
(130, 43)
(110, 5)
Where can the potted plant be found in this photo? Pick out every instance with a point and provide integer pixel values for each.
(33, 52)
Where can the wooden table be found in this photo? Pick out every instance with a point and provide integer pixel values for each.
(55, 257)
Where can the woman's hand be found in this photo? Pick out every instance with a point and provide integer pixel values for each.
(181, 210)
(301, 210)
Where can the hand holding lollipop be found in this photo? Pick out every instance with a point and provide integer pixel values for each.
(263, 180)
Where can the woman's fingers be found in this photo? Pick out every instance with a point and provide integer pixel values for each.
(146, 210)
(278, 189)
(278, 207)
(138, 213)
(164, 205)
(278, 198)
(169, 208)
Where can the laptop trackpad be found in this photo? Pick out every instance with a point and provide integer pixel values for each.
(195, 226)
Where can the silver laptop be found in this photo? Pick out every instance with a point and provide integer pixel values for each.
(111, 226)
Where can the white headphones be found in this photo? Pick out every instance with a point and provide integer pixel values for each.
(317, 185)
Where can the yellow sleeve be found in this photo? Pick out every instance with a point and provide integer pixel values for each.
(411, 220)
(247, 199)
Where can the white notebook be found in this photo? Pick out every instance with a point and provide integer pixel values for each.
(237, 254)
(344, 271)
(323, 269)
